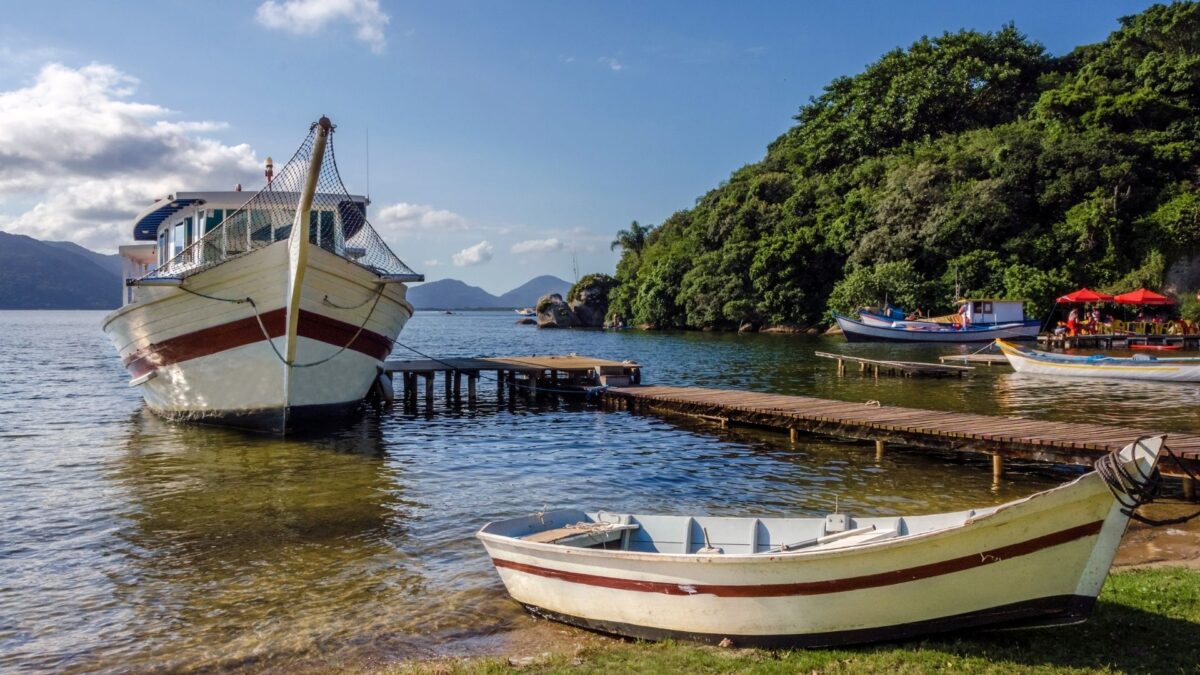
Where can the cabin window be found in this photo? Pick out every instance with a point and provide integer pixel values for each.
(321, 229)
(163, 246)
(177, 238)
(189, 232)
(260, 225)
(212, 220)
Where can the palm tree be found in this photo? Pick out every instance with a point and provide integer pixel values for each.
(633, 239)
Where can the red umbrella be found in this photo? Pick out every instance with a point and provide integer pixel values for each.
(1143, 297)
(1085, 295)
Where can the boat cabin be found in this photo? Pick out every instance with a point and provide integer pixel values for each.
(993, 311)
(173, 224)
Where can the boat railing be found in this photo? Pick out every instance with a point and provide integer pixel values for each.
(336, 222)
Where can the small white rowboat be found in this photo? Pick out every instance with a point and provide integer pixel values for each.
(824, 581)
(1139, 367)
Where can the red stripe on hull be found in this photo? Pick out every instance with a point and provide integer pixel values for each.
(215, 339)
(817, 587)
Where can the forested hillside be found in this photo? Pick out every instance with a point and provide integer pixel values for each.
(971, 154)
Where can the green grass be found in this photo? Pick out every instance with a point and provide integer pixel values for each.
(1147, 621)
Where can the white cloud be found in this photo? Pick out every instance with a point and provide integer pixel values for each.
(404, 218)
(612, 63)
(432, 262)
(308, 17)
(538, 246)
(87, 158)
(474, 255)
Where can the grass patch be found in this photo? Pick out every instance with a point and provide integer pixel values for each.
(1147, 621)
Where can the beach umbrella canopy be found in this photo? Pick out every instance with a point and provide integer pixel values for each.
(1086, 295)
(1143, 296)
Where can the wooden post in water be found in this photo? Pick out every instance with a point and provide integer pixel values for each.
(449, 386)
(457, 386)
(428, 388)
(472, 379)
(1189, 489)
(997, 468)
(880, 447)
(794, 435)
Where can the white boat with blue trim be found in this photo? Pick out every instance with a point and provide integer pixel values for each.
(826, 581)
(1138, 367)
(976, 321)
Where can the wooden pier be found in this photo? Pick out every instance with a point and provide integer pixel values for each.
(1116, 341)
(898, 368)
(985, 359)
(1000, 437)
(530, 373)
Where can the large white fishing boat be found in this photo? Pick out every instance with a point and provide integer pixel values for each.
(231, 318)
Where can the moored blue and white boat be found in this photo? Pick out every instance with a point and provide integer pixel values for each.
(826, 581)
(1138, 367)
(912, 331)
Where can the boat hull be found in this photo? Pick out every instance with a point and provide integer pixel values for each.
(197, 357)
(1037, 561)
(857, 331)
(1034, 362)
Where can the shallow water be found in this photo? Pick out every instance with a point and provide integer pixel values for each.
(130, 543)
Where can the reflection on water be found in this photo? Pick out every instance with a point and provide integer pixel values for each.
(134, 543)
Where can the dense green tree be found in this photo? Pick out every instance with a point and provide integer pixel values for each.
(970, 162)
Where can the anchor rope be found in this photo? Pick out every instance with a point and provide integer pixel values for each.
(1136, 488)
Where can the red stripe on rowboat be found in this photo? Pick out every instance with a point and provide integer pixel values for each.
(817, 587)
(215, 339)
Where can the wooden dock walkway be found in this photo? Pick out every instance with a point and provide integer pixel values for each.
(985, 359)
(1191, 341)
(900, 368)
(1000, 437)
(528, 372)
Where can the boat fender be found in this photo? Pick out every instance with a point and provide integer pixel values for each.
(384, 388)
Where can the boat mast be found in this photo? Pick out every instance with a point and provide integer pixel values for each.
(298, 242)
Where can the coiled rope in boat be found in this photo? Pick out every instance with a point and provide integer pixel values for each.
(1136, 488)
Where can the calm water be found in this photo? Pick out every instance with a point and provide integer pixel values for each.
(130, 543)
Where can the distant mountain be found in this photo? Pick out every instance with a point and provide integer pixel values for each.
(109, 261)
(527, 294)
(450, 294)
(454, 294)
(39, 275)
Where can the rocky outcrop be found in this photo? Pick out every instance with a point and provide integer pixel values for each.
(589, 299)
(554, 312)
(590, 305)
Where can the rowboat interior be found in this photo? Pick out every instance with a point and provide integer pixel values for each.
(704, 535)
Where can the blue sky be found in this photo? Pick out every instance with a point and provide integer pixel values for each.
(504, 137)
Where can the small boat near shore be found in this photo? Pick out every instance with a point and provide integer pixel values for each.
(528, 311)
(1137, 367)
(826, 581)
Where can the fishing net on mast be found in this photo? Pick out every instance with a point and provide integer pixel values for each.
(337, 222)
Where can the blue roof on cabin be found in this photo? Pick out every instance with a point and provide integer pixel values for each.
(146, 227)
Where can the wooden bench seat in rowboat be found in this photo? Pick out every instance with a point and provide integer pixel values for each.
(581, 534)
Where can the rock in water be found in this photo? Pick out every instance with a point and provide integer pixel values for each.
(589, 299)
(554, 312)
